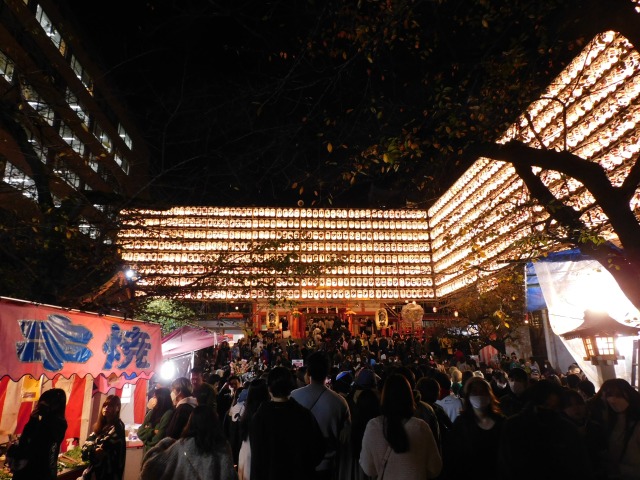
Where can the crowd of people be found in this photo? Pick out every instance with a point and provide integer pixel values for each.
(365, 407)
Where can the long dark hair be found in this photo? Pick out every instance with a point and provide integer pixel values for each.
(205, 428)
(52, 403)
(619, 387)
(365, 406)
(397, 406)
(258, 394)
(163, 404)
(103, 421)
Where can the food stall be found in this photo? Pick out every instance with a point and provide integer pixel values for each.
(87, 355)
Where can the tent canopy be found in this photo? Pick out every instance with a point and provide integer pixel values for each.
(187, 339)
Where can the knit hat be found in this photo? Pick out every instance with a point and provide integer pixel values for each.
(366, 379)
(343, 382)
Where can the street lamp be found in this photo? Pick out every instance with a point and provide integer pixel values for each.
(598, 333)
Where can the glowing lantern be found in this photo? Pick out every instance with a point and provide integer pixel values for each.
(412, 314)
(382, 318)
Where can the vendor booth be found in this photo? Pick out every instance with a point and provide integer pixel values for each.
(85, 354)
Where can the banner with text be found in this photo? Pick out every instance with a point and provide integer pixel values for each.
(45, 340)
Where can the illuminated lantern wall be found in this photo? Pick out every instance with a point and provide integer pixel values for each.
(592, 108)
(481, 219)
(366, 254)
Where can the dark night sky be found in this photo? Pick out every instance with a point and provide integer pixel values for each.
(180, 66)
(239, 99)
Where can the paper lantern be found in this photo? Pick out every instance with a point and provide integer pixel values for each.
(273, 320)
(412, 314)
(382, 318)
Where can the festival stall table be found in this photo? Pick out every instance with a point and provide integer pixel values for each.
(85, 354)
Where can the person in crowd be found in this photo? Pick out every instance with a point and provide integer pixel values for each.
(329, 408)
(574, 369)
(342, 383)
(257, 394)
(540, 427)
(396, 444)
(514, 401)
(226, 395)
(547, 369)
(105, 448)
(231, 422)
(204, 393)
(36, 454)
(499, 383)
(572, 381)
(423, 410)
(587, 389)
(456, 381)
(622, 426)
(157, 419)
(514, 362)
(575, 409)
(184, 403)
(276, 434)
(364, 404)
(201, 453)
(429, 390)
(449, 401)
(475, 434)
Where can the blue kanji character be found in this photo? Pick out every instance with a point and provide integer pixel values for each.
(136, 344)
(110, 347)
(53, 342)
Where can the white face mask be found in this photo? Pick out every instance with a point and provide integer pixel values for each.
(152, 403)
(173, 396)
(618, 404)
(516, 387)
(479, 402)
(501, 385)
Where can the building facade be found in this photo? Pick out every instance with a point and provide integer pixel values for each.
(61, 128)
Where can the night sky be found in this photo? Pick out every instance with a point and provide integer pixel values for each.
(256, 102)
(188, 70)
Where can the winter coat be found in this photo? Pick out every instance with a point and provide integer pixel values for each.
(39, 445)
(152, 434)
(181, 460)
(109, 465)
(180, 417)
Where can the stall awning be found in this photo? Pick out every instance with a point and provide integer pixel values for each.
(187, 339)
(46, 340)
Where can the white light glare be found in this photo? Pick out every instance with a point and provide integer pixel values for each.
(168, 370)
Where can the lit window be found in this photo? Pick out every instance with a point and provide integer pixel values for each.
(125, 137)
(82, 75)
(20, 181)
(76, 106)
(122, 162)
(6, 67)
(71, 138)
(50, 30)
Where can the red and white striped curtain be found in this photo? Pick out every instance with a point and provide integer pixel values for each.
(17, 400)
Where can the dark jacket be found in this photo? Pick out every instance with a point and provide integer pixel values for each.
(286, 442)
(552, 437)
(110, 465)
(180, 417)
(40, 445)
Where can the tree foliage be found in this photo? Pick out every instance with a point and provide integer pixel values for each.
(170, 314)
(493, 309)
